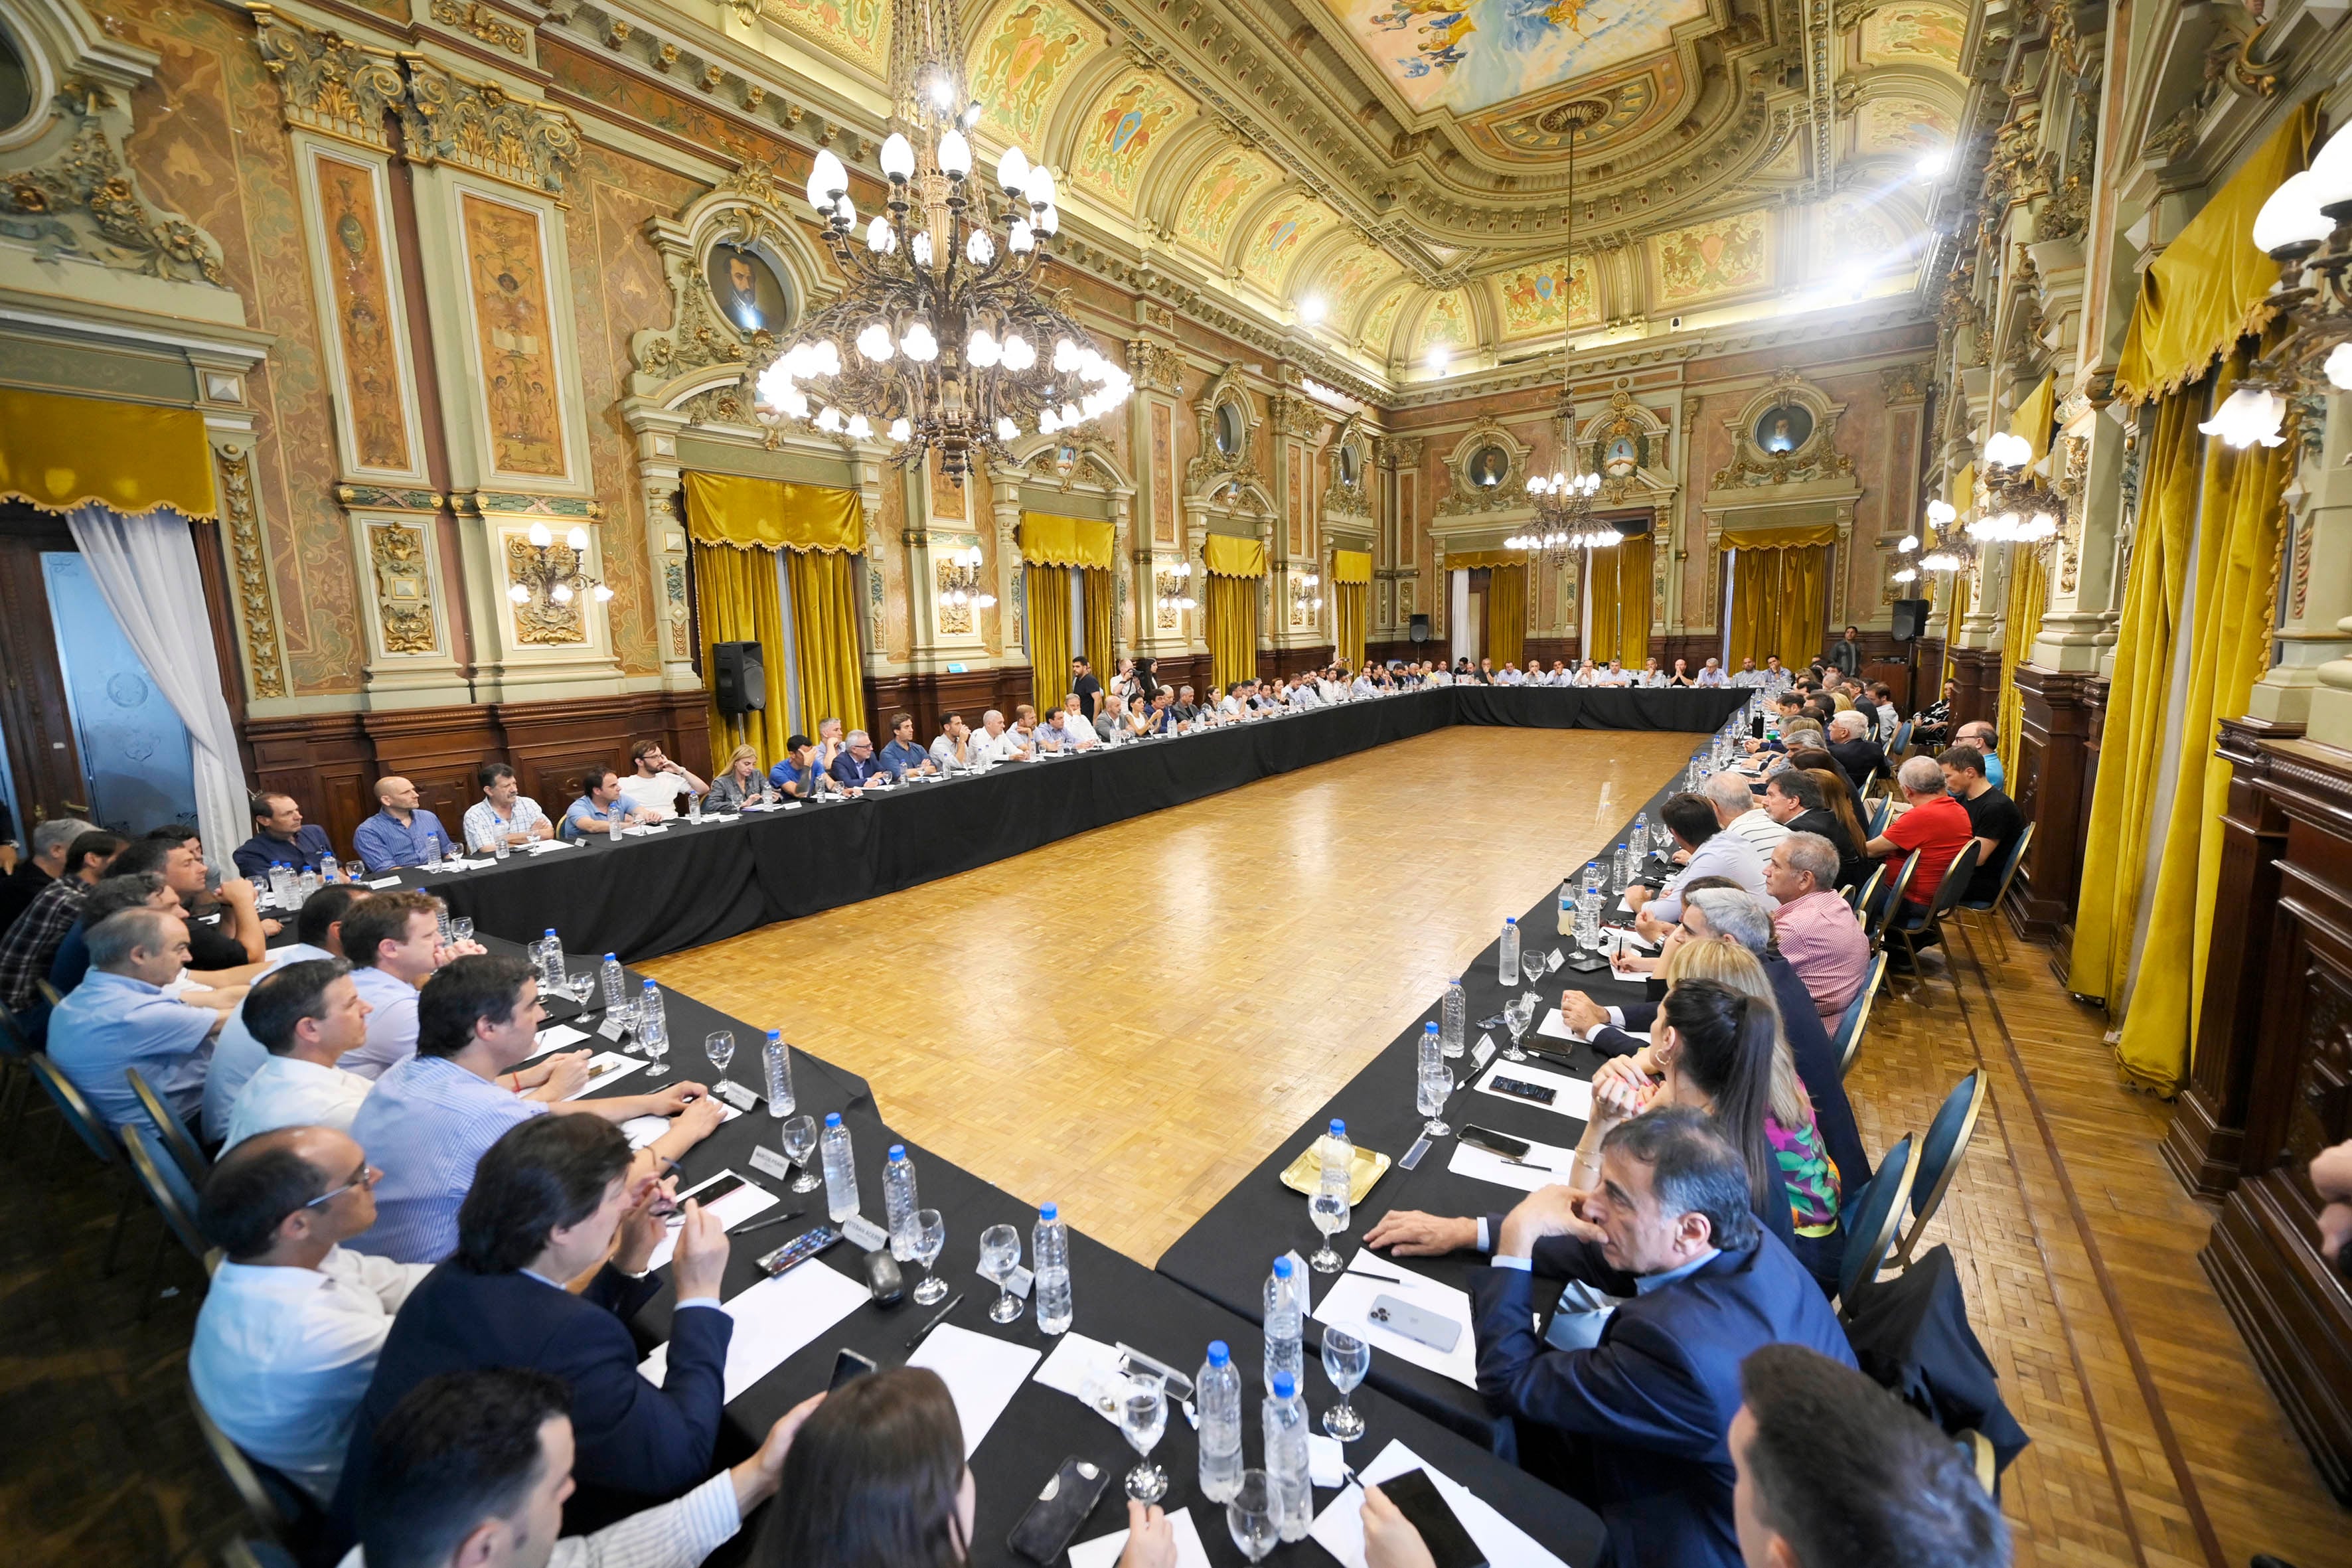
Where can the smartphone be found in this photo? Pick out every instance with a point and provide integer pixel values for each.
(1069, 1495)
(1418, 1324)
(1494, 1142)
(848, 1366)
(800, 1249)
(1417, 1497)
(1520, 1089)
(710, 1191)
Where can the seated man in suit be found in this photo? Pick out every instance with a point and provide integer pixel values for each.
(1855, 751)
(280, 834)
(1795, 802)
(548, 1199)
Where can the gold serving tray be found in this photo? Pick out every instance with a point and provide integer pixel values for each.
(1306, 1172)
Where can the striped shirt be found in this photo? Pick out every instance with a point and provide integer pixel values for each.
(426, 1125)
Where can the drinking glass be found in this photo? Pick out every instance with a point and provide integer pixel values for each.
(655, 1042)
(260, 890)
(1431, 1092)
(1328, 1209)
(623, 1015)
(1517, 1016)
(800, 1142)
(719, 1047)
(931, 1235)
(353, 871)
(461, 929)
(1533, 964)
(1143, 1416)
(1250, 1516)
(1346, 1359)
(1000, 1255)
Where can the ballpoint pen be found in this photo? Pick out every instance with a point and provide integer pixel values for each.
(772, 1219)
(937, 1319)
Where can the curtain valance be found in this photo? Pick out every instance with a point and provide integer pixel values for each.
(1230, 555)
(2210, 287)
(1351, 565)
(58, 452)
(1048, 539)
(1791, 536)
(1471, 560)
(746, 513)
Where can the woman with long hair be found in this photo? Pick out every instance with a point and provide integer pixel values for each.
(740, 780)
(877, 1479)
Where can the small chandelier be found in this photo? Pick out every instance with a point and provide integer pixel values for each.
(2306, 227)
(942, 338)
(553, 577)
(960, 579)
(1170, 583)
(2018, 509)
(1563, 500)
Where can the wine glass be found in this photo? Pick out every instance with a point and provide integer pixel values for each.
(1328, 1209)
(800, 1142)
(1143, 1416)
(461, 928)
(655, 1041)
(622, 1015)
(1432, 1090)
(1532, 964)
(1516, 1016)
(355, 871)
(1000, 1255)
(719, 1047)
(931, 1235)
(1346, 1359)
(1250, 1516)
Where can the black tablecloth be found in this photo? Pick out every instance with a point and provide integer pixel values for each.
(692, 884)
(1117, 1299)
(1229, 1251)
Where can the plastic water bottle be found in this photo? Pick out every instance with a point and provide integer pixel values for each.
(777, 1057)
(1640, 841)
(652, 1014)
(1284, 1323)
(840, 1169)
(1286, 1457)
(1455, 1013)
(694, 808)
(306, 884)
(1049, 1252)
(281, 877)
(617, 984)
(1508, 960)
(898, 1204)
(1217, 1392)
(1567, 901)
(1339, 1159)
(326, 869)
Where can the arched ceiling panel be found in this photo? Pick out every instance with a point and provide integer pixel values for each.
(1019, 64)
(1136, 115)
(1224, 186)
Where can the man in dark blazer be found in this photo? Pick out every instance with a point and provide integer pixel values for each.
(547, 1198)
(1855, 751)
(1795, 802)
(1649, 1407)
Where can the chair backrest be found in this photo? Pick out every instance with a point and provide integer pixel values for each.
(1871, 1223)
(1941, 1149)
(174, 1199)
(1880, 810)
(13, 1041)
(1858, 899)
(1875, 919)
(178, 1142)
(1858, 1015)
(1955, 885)
(78, 1116)
(48, 992)
(2009, 868)
(269, 1511)
(1902, 739)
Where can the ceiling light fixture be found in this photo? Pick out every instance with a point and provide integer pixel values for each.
(1563, 500)
(1311, 310)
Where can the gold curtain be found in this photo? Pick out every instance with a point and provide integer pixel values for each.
(1471, 560)
(58, 453)
(2029, 595)
(2210, 285)
(1351, 565)
(1230, 555)
(2114, 850)
(2035, 416)
(766, 514)
(2237, 552)
(1804, 603)
(1102, 609)
(1600, 606)
(1049, 538)
(1507, 615)
(1632, 587)
(738, 599)
(1232, 605)
(1049, 635)
(1754, 604)
(826, 665)
(1347, 644)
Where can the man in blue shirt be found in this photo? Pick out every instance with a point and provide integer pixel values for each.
(798, 772)
(402, 833)
(120, 1017)
(603, 808)
(902, 756)
(858, 766)
(280, 834)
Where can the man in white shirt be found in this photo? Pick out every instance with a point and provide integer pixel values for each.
(293, 1322)
(1652, 676)
(308, 1014)
(1747, 676)
(1018, 744)
(656, 783)
(1614, 675)
(1739, 810)
(1233, 704)
(394, 941)
(957, 747)
(236, 1054)
(1711, 674)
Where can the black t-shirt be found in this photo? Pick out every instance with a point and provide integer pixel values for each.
(210, 947)
(1993, 815)
(1088, 691)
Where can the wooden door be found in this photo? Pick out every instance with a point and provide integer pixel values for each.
(35, 718)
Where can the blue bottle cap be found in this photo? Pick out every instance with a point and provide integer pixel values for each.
(1282, 1266)
(1218, 1354)
(833, 1118)
(649, 985)
(1510, 919)
(1428, 1028)
(775, 1037)
(608, 957)
(1283, 1386)
(1049, 1211)
(1339, 1128)
(898, 1150)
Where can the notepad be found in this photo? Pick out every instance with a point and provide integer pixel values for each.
(982, 1375)
(1103, 1551)
(772, 1319)
(1574, 1097)
(1347, 1303)
(1339, 1527)
(555, 1037)
(641, 1130)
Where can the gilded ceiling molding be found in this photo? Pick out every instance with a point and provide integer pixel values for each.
(480, 22)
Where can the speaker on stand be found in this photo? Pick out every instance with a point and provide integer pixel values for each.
(1910, 623)
(1419, 631)
(739, 681)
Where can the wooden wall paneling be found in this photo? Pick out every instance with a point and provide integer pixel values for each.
(440, 750)
(324, 761)
(2046, 780)
(1286, 662)
(1978, 671)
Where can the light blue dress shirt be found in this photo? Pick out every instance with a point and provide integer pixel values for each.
(1725, 855)
(386, 843)
(110, 1022)
(426, 1125)
(623, 810)
(391, 1024)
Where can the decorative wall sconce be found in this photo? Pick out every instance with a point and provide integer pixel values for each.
(1169, 584)
(2306, 228)
(960, 579)
(1302, 593)
(549, 573)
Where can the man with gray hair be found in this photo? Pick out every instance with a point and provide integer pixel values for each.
(1855, 751)
(1929, 821)
(120, 1017)
(1736, 807)
(51, 839)
(858, 766)
(1818, 932)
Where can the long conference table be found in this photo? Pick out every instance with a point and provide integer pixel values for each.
(687, 883)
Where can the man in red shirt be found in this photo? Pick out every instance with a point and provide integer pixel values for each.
(1931, 822)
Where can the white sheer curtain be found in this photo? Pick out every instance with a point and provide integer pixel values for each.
(146, 568)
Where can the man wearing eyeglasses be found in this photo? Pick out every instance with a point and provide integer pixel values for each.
(293, 1321)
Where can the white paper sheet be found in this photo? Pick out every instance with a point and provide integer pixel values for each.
(1339, 1527)
(982, 1375)
(1327, 1461)
(1103, 1551)
(772, 1319)
(732, 1210)
(385, 882)
(1547, 1165)
(641, 1130)
(608, 1068)
(555, 1037)
(1076, 1362)
(1350, 1296)
(1575, 1093)
(549, 845)
(1555, 1026)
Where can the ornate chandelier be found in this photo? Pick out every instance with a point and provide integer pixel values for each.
(942, 338)
(1563, 499)
(551, 575)
(2018, 509)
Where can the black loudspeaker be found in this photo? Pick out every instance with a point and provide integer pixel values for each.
(1420, 632)
(1910, 619)
(738, 679)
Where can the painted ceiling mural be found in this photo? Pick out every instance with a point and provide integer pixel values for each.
(1471, 54)
(1548, 298)
(858, 31)
(1021, 65)
(1119, 132)
(1217, 195)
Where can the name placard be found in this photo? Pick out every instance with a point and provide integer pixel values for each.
(769, 1163)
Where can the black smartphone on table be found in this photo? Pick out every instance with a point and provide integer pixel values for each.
(1494, 1142)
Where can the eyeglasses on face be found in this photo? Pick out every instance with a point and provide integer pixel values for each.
(367, 1175)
